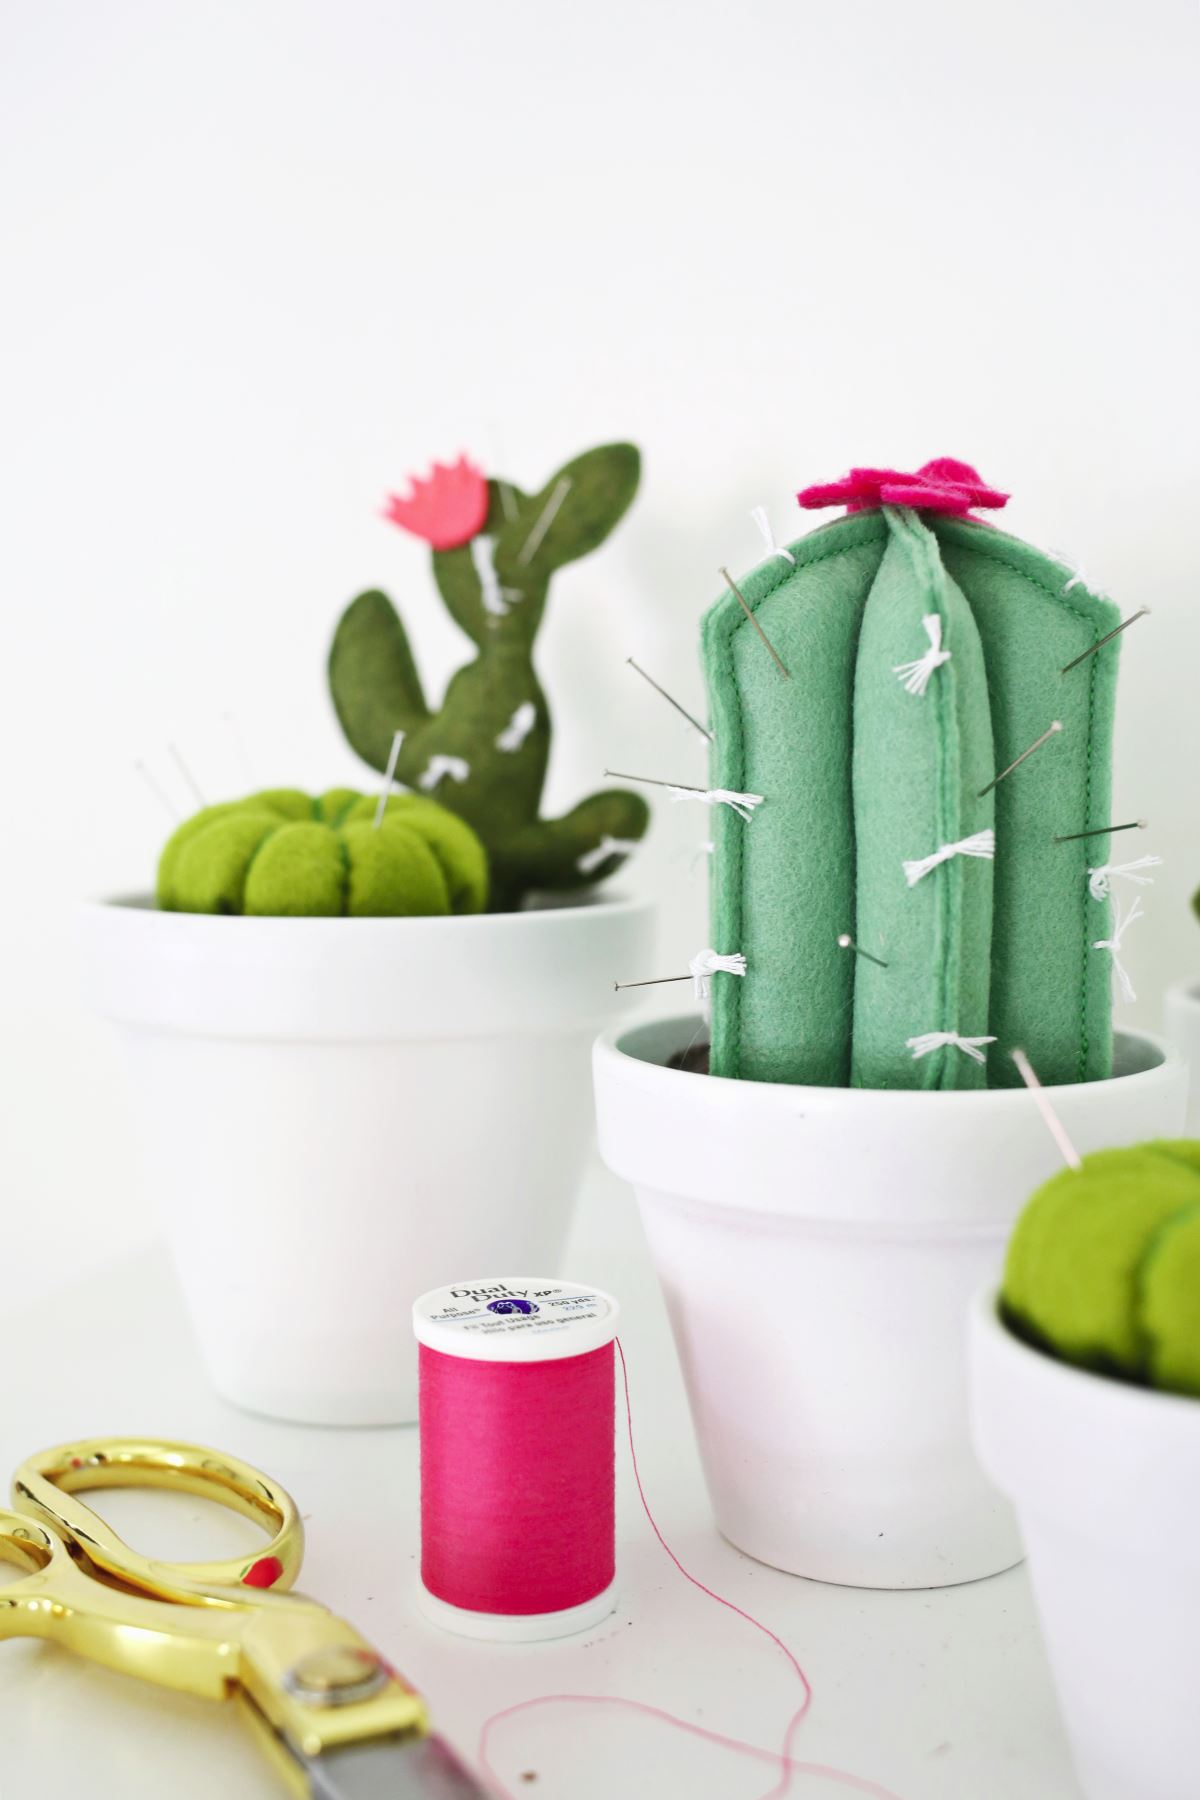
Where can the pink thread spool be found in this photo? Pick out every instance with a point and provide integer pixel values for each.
(518, 1418)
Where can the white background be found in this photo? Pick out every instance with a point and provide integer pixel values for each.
(262, 258)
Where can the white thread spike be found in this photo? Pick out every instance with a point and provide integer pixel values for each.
(762, 519)
(441, 766)
(496, 599)
(742, 804)
(1121, 923)
(982, 844)
(388, 778)
(590, 861)
(1054, 1124)
(159, 792)
(707, 963)
(549, 513)
(518, 727)
(916, 675)
(1079, 576)
(947, 1040)
(706, 847)
(1100, 880)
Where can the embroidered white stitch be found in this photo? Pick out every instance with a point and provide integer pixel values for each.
(706, 847)
(916, 675)
(518, 727)
(1121, 923)
(1079, 576)
(599, 853)
(706, 963)
(439, 766)
(939, 1040)
(983, 843)
(742, 804)
(762, 519)
(545, 520)
(496, 599)
(1100, 880)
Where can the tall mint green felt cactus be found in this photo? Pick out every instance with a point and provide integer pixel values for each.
(925, 652)
(484, 751)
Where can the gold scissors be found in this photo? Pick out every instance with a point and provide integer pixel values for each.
(338, 1721)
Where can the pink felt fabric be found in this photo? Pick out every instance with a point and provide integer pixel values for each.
(446, 509)
(943, 485)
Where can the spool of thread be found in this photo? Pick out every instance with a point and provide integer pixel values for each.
(517, 1422)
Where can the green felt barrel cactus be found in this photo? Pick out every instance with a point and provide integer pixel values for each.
(923, 652)
(282, 853)
(484, 751)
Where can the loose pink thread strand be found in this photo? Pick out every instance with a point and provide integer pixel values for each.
(789, 1765)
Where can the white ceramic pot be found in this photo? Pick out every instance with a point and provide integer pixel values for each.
(340, 1114)
(817, 1249)
(1181, 1025)
(1105, 1478)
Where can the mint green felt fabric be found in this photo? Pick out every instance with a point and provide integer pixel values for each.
(783, 881)
(920, 761)
(1051, 991)
(846, 794)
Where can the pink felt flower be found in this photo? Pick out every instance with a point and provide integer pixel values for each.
(943, 485)
(446, 509)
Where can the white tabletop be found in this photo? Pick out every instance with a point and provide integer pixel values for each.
(940, 1695)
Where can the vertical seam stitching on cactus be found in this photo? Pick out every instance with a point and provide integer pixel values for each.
(344, 855)
(992, 553)
(733, 990)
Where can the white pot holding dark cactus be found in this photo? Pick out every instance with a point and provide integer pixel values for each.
(912, 903)
(352, 1080)
(1181, 1023)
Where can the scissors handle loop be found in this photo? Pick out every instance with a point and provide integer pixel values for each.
(45, 1488)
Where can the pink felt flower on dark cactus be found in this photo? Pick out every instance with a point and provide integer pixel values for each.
(943, 485)
(447, 508)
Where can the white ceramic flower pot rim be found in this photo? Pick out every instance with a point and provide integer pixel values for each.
(353, 980)
(729, 1142)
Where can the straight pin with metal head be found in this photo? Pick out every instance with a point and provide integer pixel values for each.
(1056, 725)
(1071, 837)
(744, 604)
(544, 521)
(656, 981)
(846, 942)
(1108, 637)
(187, 775)
(159, 792)
(671, 701)
(388, 778)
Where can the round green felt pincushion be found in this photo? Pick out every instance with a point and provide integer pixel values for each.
(1072, 1275)
(281, 853)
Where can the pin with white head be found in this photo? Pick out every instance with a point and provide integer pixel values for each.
(189, 778)
(1054, 1124)
(388, 778)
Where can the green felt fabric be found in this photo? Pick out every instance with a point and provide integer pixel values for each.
(271, 856)
(856, 783)
(920, 761)
(1051, 991)
(1169, 1304)
(783, 881)
(494, 717)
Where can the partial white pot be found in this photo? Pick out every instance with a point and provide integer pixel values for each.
(817, 1249)
(1181, 1025)
(1105, 1478)
(340, 1114)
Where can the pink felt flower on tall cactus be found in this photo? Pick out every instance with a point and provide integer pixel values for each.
(447, 508)
(943, 485)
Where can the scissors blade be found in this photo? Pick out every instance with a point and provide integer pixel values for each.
(396, 1768)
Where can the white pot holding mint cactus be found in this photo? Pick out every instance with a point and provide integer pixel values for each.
(1181, 1024)
(353, 1084)
(910, 778)
(818, 1249)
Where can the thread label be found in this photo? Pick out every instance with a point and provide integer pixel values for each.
(496, 1309)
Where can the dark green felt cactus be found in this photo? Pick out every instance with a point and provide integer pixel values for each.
(485, 750)
(926, 651)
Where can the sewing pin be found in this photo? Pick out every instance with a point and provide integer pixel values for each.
(389, 777)
(159, 792)
(652, 781)
(1054, 1124)
(1069, 837)
(1107, 638)
(762, 634)
(997, 779)
(658, 981)
(187, 775)
(549, 513)
(682, 710)
(846, 942)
